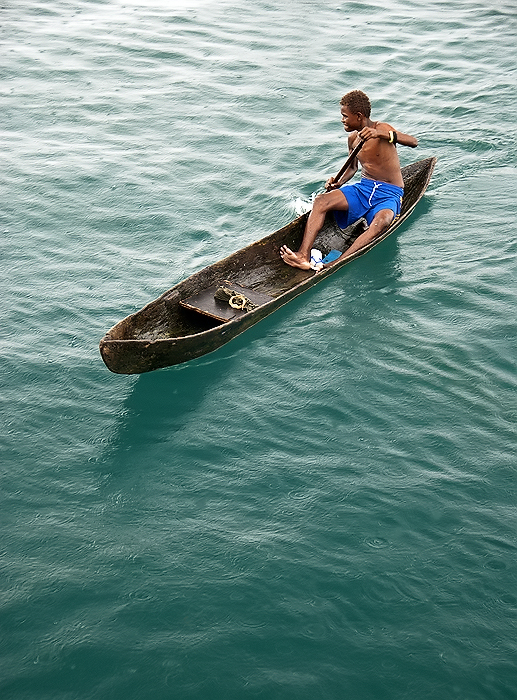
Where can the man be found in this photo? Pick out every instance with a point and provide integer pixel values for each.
(377, 197)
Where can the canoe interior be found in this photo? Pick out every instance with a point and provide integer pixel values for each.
(257, 267)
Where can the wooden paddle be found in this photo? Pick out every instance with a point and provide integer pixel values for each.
(349, 161)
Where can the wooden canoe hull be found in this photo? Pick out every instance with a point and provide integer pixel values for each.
(163, 333)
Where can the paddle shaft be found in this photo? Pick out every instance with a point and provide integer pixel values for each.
(349, 161)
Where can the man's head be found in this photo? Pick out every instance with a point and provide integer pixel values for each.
(357, 102)
(355, 110)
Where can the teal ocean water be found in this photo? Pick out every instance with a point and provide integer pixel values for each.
(326, 507)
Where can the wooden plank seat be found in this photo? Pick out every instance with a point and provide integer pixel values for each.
(206, 303)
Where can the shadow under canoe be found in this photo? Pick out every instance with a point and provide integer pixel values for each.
(187, 322)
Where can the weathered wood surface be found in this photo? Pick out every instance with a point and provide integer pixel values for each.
(206, 302)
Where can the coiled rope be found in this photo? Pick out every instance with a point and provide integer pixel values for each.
(235, 300)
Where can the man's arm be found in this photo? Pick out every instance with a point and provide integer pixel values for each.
(387, 133)
(405, 139)
(332, 183)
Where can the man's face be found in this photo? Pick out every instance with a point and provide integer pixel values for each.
(350, 121)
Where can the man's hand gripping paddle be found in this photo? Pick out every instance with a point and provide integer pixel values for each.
(348, 162)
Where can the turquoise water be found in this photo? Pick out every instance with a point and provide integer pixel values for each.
(325, 507)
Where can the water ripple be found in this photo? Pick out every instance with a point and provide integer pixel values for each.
(328, 502)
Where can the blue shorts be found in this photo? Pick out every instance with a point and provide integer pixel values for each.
(366, 198)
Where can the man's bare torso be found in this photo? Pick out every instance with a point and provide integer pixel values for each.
(378, 159)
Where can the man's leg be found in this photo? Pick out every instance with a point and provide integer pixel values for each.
(380, 223)
(322, 204)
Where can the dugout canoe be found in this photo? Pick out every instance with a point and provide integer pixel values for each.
(187, 321)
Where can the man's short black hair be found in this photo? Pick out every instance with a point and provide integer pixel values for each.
(357, 101)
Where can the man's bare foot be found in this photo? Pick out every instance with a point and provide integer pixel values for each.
(294, 259)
